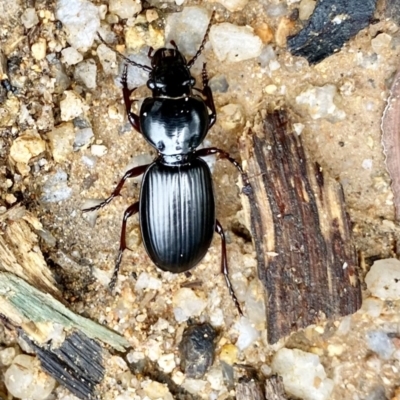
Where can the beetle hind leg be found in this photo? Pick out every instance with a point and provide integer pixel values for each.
(224, 265)
(131, 210)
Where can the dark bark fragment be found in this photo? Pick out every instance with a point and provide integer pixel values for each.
(332, 23)
(77, 364)
(306, 259)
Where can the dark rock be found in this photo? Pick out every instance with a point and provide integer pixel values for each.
(332, 23)
(197, 349)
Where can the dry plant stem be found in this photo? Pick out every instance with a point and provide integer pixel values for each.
(306, 259)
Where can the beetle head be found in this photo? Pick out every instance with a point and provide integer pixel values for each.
(170, 75)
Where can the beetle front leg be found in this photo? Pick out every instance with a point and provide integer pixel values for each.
(207, 93)
(224, 265)
(131, 210)
(133, 118)
(131, 173)
(223, 154)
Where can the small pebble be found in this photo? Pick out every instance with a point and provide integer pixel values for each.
(303, 374)
(233, 5)
(56, 188)
(136, 76)
(247, 333)
(319, 102)
(187, 28)
(284, 29)
(9, 111)
(306, 8)
(335, 350)
(39, 49)
(7, 356)
(27, 146)
(216, 379)
(264, 32)
(124, 8)
(108, 59)
(29, 18)
(61, 141)
(145, 281)
(194, 386)
(229, 353)
(151, 15)
(380, 343)
(167, 363)
(83, 138)
(25, 379)
(155, 390)
(197, 349)
(10, 198)
(372, 306)
(276, 10)
(72, 106)
(81, 20)
(98, 150)
(218, 83)
(381, 43)
(367, 164)
(71, 56)
(383, 279)
(86, 73)
(267, 54)
(232, 43)
(232, 117)
(187, 304)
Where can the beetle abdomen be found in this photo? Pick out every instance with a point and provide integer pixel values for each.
(177, 214)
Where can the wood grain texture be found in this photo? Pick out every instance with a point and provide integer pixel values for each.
(391, 140)
(274, 389)
(306, 258)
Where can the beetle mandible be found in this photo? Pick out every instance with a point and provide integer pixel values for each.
(176, 205)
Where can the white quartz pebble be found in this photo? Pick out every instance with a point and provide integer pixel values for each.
(232, 43)
(303, 374)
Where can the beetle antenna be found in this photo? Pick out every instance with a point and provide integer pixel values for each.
(126, 59)
(203, 43)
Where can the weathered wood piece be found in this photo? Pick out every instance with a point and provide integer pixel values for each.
(19, 249)
(249, 389)
(77, 364)
(391, 140)
(306, 259)
(248, 386)
(31, 304)
(332, 24)
(37, 313)
(274, 389)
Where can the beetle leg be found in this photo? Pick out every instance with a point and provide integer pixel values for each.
(131, 173)
(133, 118)
(131, 210)
(223, 154)
(207, 93)
(224, 265)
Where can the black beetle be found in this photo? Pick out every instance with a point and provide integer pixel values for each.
(176, 206)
